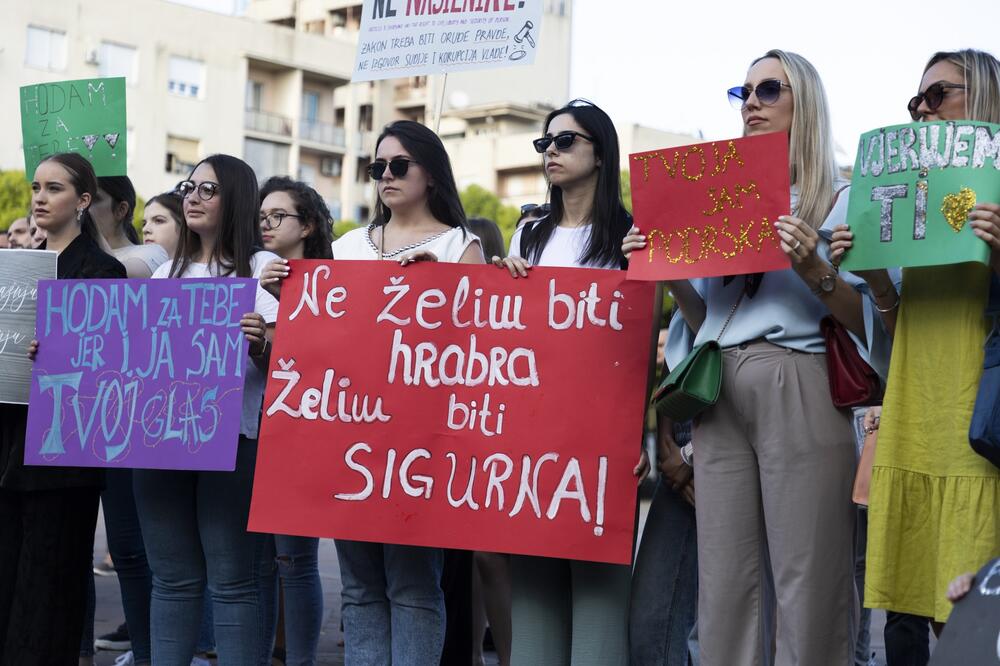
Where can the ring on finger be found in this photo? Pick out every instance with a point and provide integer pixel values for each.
(797, 245)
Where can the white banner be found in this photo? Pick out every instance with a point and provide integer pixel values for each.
(403, 38)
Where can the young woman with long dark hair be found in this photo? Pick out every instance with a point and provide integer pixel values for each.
(112, 212)
(48, 514)
(194, 523)
(393, 606)
(569, 611)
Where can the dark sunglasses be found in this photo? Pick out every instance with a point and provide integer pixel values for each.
(527, 209)
(767, 92)
(398, 166)
(563, 141)
(932, 97)
(206, 189)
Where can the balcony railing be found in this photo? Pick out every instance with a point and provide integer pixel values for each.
(320, 132)
(271, 123)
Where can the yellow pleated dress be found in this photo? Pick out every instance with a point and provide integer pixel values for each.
(934, 505)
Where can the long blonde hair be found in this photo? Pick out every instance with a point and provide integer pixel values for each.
(982, 80)
(812, 164)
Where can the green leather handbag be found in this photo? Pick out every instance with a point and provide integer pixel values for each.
(695, 383)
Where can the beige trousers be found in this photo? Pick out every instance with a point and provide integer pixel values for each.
(774, 465)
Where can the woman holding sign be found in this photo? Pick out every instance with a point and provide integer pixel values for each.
(934, 503)
(295, 224)
(48, 514)
(569, 611)
(773, 458)
(393, 606)
(194, 523)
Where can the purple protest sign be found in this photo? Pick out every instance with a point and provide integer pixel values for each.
(139, 373)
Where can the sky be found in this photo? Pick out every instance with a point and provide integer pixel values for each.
(667, 64)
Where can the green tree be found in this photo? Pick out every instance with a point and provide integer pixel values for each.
(626, 186)
(480, 202)
(343, 226)
(15, 197)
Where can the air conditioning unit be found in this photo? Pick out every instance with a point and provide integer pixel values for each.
(330, 166)
(92, 57)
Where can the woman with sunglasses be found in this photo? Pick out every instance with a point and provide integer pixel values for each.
(194, 523)
(48, 514)
(934, 507)
(774, 459)
(571, 611)
(295, 224)
(393, 605)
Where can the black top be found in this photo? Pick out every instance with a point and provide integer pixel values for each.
(82, 259)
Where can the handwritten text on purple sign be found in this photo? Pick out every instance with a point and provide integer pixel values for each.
(139, 373)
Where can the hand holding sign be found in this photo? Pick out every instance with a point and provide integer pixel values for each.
(709, 209)
(924, 194)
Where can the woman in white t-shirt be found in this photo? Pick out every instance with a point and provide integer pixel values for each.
(112, 214)
(569, 611)
(393, 606)
(194, 523)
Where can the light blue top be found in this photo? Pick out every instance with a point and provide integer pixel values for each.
(784, 311)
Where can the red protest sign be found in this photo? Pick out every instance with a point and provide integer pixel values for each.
(709, 209)
(447, 405)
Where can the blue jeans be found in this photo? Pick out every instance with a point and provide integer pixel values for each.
(392, 604)
(128, 552)
(194, 525)
(296, 560)
(664, 583)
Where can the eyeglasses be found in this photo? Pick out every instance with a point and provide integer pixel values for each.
(398, 166)
(563, 141)
(206, 189)
(932, 97)
(767, 92)
(273, 220)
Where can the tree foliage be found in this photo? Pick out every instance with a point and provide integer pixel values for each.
(626, 186)
(15, 196)
(480, 202)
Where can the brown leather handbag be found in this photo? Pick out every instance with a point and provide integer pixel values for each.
(853, 383)
(863, 477)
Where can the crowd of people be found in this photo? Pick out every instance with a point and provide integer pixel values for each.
(752, 552)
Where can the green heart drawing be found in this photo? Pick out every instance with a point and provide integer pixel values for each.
(956, 207)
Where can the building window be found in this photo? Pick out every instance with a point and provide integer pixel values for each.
(266, 158)
(46, 49)
(255, 95)
(182, 155)
(365, 117)
(119, 60)
(307, 173)
(310, 106)
(186, 77)
(316, 27)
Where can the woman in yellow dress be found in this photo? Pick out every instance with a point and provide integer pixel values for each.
(934, 509)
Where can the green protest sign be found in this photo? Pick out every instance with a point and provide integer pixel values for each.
(912, 190)
(86, 116)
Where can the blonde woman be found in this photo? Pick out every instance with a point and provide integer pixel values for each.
(934, 503)
(774, 459)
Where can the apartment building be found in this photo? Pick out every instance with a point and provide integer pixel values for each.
(273, 86)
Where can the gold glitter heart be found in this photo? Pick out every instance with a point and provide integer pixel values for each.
(956, 208)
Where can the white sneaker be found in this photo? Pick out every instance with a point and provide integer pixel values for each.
(200, 661)
(127, 659)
